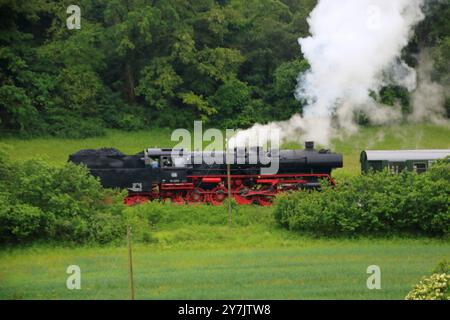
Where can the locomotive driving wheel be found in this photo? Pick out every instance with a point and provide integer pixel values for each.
(263, 199)
(178, 198)
(241, 195)
(135, 200)
(218, 196)
(174, 197)
(196, 196)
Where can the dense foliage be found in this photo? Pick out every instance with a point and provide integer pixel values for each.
(375, 204)
(39, 202)
(163, 62)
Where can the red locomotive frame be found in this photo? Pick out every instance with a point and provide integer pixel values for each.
(246, 189)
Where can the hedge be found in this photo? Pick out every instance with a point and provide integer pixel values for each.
(375, 204)
(39, 202)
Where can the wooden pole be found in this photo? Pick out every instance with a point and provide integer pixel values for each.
(130, 263)
(230, 214)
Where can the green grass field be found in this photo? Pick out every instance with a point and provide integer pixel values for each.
(255, 260)
(283, 267)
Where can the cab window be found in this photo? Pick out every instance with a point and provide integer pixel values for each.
(166, 162)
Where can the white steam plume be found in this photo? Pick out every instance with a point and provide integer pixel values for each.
(428, 99)
(354, 48)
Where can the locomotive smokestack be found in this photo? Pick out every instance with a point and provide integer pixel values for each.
(309, 145)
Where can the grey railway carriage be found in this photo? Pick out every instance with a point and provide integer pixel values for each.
(399, 160)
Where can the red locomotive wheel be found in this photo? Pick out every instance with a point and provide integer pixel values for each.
(240, 194)
(196, 196)
(265, 200)
(218, 196)
(135, 200)
(176, 198)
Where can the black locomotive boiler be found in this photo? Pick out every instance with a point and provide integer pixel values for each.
(157, 174)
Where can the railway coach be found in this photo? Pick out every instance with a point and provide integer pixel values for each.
(399, 160)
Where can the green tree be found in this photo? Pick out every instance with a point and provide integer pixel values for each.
(285, 83)
(230, 100)
(158, 84)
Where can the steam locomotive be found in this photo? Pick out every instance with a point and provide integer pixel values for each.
(157, 174)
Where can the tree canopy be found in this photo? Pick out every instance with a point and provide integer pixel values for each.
(135, 63)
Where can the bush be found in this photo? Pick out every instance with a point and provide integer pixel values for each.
(63, 204)
(375, 204)
(7, 169)
(125, 117)
(442, 267)
(73, 126)
(130, 122)
(105, 227)
(21, 222)
(435, 287)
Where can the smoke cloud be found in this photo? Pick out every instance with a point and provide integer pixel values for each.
(429, 97)
(354, 49)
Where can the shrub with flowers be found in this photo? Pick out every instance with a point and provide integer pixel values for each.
(435, 287)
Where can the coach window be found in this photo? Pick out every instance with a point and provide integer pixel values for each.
(376, 165)
(420, 167)
(396, 167)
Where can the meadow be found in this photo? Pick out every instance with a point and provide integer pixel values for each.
(207, 259)
(408, 136)
(242, 263)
